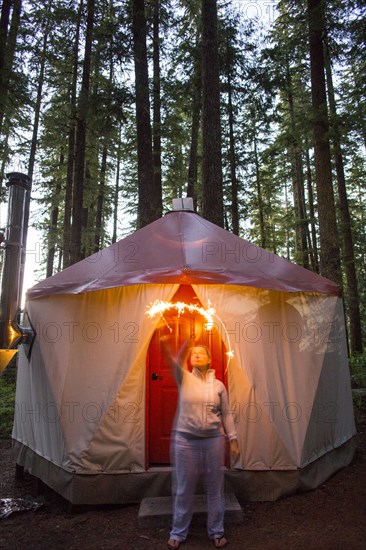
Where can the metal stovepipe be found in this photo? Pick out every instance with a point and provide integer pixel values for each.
(10, 332)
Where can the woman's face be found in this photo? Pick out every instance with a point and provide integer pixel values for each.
(200, 357)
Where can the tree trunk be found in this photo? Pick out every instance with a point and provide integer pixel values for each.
(4, 25)
(116, 189)
(330, 263)
(9, 49)
(79, 179)
(353, 301)
(288, 237)
(33, 149)
(313, 241)
(232, 155)
(157, 108)
(8, 59)
(212, 192)
(4, 154)
(298, 183)
(196, 117)
(66, 246)
(100, 201)
(4, 90)
(5, 55)
(259, 197)
(52, 230)
(148, 209)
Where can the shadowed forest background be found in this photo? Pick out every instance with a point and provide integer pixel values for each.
(254, 109)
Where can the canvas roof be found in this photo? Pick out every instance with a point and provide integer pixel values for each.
(183, 248)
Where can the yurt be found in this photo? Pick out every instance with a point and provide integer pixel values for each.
(95, 401)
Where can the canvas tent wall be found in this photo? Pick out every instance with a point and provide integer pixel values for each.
(81, 417)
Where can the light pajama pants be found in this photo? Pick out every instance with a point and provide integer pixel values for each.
(194, 458)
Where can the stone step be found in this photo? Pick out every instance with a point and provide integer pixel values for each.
(157, 511)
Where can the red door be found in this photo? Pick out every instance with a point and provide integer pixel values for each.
(161, 387)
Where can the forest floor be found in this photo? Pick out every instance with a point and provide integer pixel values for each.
(331, 517)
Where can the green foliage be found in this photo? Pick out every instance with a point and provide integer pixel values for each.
(358, 369)
(7, 397)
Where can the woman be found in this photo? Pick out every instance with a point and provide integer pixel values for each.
(202, 420)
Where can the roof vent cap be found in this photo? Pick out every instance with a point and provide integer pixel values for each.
(183, 204)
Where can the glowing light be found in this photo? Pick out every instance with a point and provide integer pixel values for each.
(159, 307)
(13, 334)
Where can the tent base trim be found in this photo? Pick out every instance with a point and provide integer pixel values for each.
(131, 488)
(270, 485)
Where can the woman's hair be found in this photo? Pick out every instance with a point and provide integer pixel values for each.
(205, 348)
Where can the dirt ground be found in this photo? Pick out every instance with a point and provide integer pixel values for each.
(332, 517)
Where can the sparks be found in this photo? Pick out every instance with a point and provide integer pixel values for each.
(158, 307)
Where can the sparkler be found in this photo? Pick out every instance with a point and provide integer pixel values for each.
(158, 307)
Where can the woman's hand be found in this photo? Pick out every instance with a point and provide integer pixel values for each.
(234, 449)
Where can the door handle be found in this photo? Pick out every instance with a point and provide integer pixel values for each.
(155, 376)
